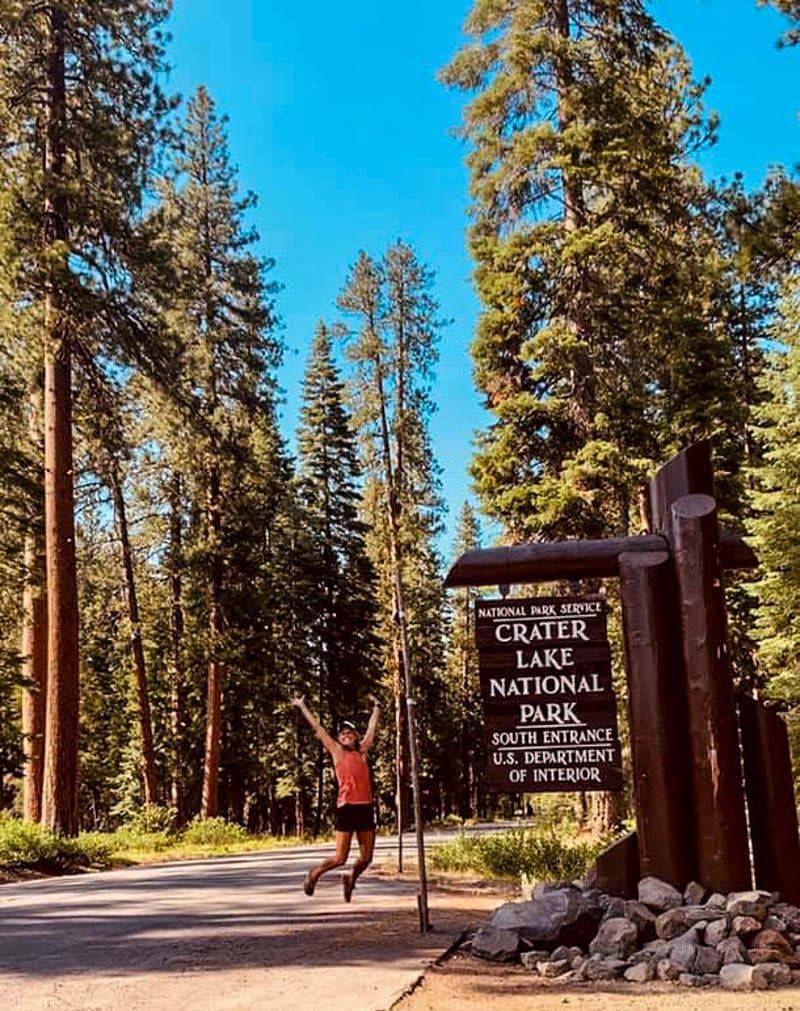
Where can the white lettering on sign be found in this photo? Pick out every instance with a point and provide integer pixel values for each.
(561, 775)
(550, 712)
(541, 631)
(550, 684)
(557, 658)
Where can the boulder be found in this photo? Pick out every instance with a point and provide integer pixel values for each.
(496, 944)
(717, 901)
(553, 968)
(684, 955)
(744, 925)
(770, 939)
(788, 913)
(596, 968)
(694, 893)
(666, 970)
(775, 923)
(659, 895)
(644, 918)
(691, 979)
(613, 908)
(777, 974)
(715, 932)
(676, 921)
(641, 972)
(758, 955)
(616, 938)
(707, 960)
(742, 977)
(561, 916)
(543, 887)
(732, 951)
(531, 959)
(752, 903)
(562, 951)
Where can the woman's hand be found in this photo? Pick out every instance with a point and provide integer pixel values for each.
(373, 700)
(300, 701)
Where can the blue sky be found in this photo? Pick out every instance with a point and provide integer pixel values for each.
(338, 124)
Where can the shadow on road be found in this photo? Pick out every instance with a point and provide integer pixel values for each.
(234, 913)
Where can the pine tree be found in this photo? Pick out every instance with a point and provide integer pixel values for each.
(20, 509)
(462, 679)
(597, 351)
(79, 115)
(340, 573)
(394, 351)
(222, 312)
(776, 501)
(105, 428)
(602, 348)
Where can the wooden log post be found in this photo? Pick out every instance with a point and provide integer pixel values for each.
(542, 562)
(770, 799)
(657, 718)
(721, 825)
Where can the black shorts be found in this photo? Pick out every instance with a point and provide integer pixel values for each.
(355, 818)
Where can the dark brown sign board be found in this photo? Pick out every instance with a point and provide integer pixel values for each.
(551, 715)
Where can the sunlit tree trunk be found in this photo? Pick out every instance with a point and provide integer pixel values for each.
(215, 665)
(34, 668)
(60, 789)
(177, 665)
(137, 650)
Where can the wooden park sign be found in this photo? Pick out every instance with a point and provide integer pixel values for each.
(551, 715)
(701, 757)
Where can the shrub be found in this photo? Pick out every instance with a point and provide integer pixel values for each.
(26, 846)
(152, 818)
(516, 854)
(129, 840)
(213, 832)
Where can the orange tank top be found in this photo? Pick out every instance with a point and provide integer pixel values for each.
(352, 772)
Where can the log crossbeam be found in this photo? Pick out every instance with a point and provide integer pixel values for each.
(545, 562)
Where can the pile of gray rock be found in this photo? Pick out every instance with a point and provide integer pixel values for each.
(566, 933)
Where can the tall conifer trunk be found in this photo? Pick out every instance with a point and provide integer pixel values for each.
(60, 793)
(574, 216)
(177, 665)
(34, 659)
(215, 665)
(137, 650)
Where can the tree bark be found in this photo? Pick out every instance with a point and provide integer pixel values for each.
(60, 790)
(137, 651)
(34, 659)
(215, 666)
(582, 379)
(177, 666)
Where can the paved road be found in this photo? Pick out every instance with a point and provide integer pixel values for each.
(229, 934)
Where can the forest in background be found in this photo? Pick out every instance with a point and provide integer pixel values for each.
(173, 570)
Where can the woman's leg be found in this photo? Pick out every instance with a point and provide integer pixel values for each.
(338, 858)
(366, 846)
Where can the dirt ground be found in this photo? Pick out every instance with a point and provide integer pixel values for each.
(460, 980)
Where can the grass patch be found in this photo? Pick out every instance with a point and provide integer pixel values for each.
(517, 854)
(25, 847)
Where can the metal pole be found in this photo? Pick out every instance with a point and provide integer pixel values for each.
(424, 923)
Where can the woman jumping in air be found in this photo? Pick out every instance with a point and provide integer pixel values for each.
(354, 813)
